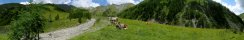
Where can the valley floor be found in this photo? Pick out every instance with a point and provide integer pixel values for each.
(139, 30)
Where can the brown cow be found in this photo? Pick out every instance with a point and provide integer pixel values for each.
(121, 26)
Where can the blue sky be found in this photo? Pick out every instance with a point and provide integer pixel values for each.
(101, 2)
(235, 6)
(11, 1)
(104, 2)
(230, 2)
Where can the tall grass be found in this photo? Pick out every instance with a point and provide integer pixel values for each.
(139, 30)
(3, 37)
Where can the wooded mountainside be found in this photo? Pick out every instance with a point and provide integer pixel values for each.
(189, 13)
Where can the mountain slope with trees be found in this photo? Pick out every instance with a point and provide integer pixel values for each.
(189, 13)
(110, 10)
(25, 22)
(242, 16)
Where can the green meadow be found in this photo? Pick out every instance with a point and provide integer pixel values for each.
(139, 30)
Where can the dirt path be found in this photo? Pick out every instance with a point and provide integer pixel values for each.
(65, 34)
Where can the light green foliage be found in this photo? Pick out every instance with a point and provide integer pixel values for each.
(139, 30)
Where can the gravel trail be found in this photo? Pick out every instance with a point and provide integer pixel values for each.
(65, 34)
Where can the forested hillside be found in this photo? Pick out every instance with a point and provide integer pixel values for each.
(242, 16)
(189, 13)
(110, 10)
(27, 21)
(10, 11)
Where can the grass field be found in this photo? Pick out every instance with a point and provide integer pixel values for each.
(3, 37)
(3, 32)
(138, 30)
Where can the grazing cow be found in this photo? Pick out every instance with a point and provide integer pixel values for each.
(125, 26)
(149, 21)
(121, 26)
(114, 19)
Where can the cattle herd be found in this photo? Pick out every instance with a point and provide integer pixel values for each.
(114, 20)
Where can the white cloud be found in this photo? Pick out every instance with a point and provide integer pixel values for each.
(241, 3)
(237, 9)
(25, 3)
(84, 3)
(118, 2)
(42, 1)
(137, 2)
(77, 3)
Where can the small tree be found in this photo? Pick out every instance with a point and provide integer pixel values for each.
(27, 26)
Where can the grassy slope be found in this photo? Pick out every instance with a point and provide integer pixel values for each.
(139, 30)
(62, 22)
(3, 37)
(3, 33)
